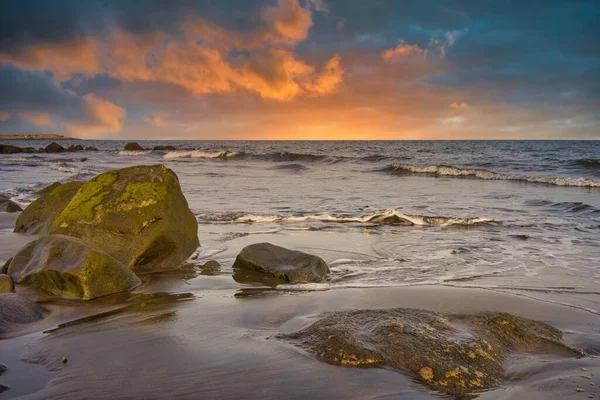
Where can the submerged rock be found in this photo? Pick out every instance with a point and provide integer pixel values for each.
(75, 147)
(133, 146)
(70, 268)
(270, 264)
(54, 148)
(9, 206)
(37, 218)
(15, 309)
(6, 285)
(138, 215)
(164, 148)
(455, 354)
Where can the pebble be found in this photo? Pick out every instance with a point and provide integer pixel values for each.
(64, 360)
(579, 390)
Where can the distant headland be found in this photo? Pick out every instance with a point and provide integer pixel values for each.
(35, 136)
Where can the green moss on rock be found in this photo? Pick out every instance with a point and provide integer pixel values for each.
(70, 268)
(38, 217)
(6, 285)
(137, 214)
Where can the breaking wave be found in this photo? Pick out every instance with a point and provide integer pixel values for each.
(456, 172)
(387, 217)
(202, 154)
(132, 152)
(291, 167)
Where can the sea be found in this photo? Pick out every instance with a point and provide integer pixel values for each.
(521, 217)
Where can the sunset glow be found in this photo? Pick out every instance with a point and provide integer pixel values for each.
(301, 69)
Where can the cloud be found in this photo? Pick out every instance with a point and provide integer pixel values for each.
(4, 116)
(198, 58)
(156, 120)
(40, 119)
(403, 50)
(99, 116)
(460, 105)
(40, 100)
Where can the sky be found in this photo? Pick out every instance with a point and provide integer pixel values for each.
(301, 69)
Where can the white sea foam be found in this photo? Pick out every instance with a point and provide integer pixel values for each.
(392, 217)
(451, 171)
(132, 153)
(200, 154)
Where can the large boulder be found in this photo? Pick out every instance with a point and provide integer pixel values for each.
(9, 206)
(137, 214)
(70, 268)
(133, 146)
(9, 149)
(15, 309)
(164, 148)
(270, 264)
(37, 218)
(54, 148)
(91, 148)
(6, 284)
(455, 354)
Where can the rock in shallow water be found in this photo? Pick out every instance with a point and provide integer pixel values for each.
(138, 215)
(270, 264)
(9, 206)
(455, 354)
(70, 268)
(133, 146)
(15, 309)
(38, 217)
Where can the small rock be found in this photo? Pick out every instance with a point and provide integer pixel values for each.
(579, 390)
(3, 388)
(9, 206)
(211, 268)
(75, 147)
(91, 148)
(54, 148)
(586, 377)
(3, 368)
(584, 369)
(64, 360)
(133, 146)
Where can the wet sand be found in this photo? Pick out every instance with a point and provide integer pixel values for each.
(209, 338)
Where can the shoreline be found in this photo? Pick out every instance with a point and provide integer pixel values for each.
(35, 137)
(210, 329)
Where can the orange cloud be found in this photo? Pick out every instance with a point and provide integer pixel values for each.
(4, 116)
(199, 59)
(63, 59)
(289, 20)
(101, 116)
(156, 120)
(403, 50)
(40, 119)
(461, 105)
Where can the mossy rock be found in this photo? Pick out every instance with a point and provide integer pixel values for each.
(270, 264)
(54, 148)
(6, 284)
(70, 268)
(210, 268)
(15, 309)
(38, 217)
(455, 354)
(137, 214)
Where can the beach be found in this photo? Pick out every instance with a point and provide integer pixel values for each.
(450, 227)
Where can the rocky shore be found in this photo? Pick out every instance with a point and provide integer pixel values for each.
(109, 274)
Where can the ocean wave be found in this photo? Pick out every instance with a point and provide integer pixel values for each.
(133, 152)
(202, 154)
(38, 159)
(589, 162)
(291, 167)
(70, 169)
(285, 156)
(387, 217)
(456, 172)
(567, 206)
